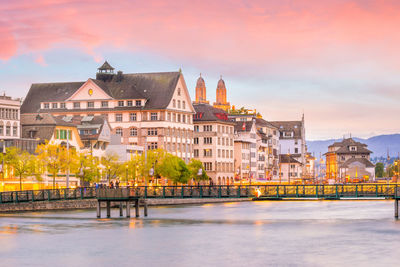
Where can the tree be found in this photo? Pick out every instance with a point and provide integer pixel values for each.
(379, 169)
(20, 161)
(54, 157)
(175, 169)
(88, 170)
(153, 159)
(132, 168)
(112, 166)
(194, 167)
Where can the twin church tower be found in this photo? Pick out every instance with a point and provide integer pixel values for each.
(221, 94)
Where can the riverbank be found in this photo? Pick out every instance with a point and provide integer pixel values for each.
(92, 204)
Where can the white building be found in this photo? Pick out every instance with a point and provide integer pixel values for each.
(9, 118)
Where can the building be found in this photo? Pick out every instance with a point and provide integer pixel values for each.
(267, 146)
(349, 161)
(221, 101)
(145, 109)
(201, 92)
(9, 117)
(292, 140)
(214, 142)
(246, 151)
(47, 127)
(124, 152)
(290, 169)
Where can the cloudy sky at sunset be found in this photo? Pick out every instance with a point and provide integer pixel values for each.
(337, 60)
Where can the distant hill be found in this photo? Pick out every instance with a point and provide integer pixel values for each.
(377, 144)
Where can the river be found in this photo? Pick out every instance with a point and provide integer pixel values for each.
(270, 233)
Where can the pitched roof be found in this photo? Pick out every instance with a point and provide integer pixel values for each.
(284, 158)
(206, 112)
(344, 147)
(156, 88)
(105, 66)
(364, 161)
(289, 126)
(263, 123)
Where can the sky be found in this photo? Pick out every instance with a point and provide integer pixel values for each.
(337, 61)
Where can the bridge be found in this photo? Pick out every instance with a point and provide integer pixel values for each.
(256, 192)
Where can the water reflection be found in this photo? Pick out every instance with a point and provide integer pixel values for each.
(231, 234)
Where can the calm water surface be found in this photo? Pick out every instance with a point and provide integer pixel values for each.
(298, 233)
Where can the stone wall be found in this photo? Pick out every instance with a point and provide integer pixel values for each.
(92, 203)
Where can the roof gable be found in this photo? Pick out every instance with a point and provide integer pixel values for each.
(89, 91)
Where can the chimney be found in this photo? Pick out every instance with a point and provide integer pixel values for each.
(119, 76)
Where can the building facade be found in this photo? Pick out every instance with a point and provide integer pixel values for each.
(153, 110)
(9, 118)
(290, 169)
(214, 143)
(349, 161)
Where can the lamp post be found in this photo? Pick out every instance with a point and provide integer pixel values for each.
(199, 173)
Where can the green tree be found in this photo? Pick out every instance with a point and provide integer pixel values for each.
(175, 169)
(88, 170)
(113, 168)
(194, 167)
(153, 159)
(379, 169)
(54, 158)
(20, 161)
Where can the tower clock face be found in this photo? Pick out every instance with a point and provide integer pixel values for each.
(90, 91)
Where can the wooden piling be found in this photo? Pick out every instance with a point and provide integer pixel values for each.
(98, 209)
(396, 208)
(108, 209)
(145, 207)
(128, 209)
(121, 213)
(137, 207)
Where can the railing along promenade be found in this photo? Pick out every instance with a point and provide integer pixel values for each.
(339, 191)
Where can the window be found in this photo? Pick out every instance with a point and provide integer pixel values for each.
(169, 116)
(207, 128)
(54, 105)
(219, 153)
(296, 150)
(196, 128)
(118, 131)
(46, 105)
(138, 103)
(15, 130)
(1, 130)
(133, 132)
(196, 153)
(196, 140)
(154, 116)
(129, 103)
(174, 103)
(62, 105)
(77, 105)
(152, 145)
(120, 103)
(179, 104)
(8, 130)
(208, 166)
(184, 118)
(104, 104)
(90, 104)
(179, 91)
(183, 104)
(152, 131)
(118, 117)
(207, 153)
(132, 117)
(207, 140)
(62, 134)
(174, 117)
(179, 117)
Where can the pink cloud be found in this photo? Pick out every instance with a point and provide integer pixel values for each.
(40, 60)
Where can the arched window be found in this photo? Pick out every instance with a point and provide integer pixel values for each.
(118, 131)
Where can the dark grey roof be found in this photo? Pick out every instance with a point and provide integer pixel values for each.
(205, 112)
(105, 66)
(347, 143)
(284, 158)
(289, 126)
(364, 161)
(156, 88)
(263, 123)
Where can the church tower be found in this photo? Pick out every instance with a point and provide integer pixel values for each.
(221, 96)
(201, 97)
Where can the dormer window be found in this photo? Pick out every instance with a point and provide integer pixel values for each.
(120, 103)
(46, 105)
(129, 103)
(62, 105)
(54, 105)
(353, 148)
(138, 103)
